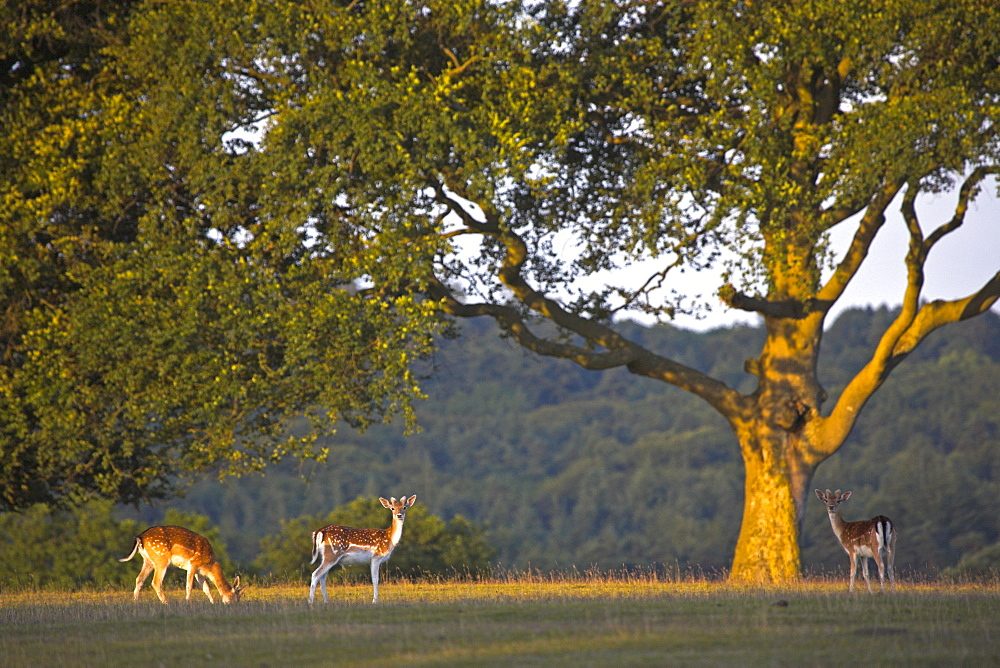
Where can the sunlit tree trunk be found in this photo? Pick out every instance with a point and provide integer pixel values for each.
(774, 500)
(774, 439)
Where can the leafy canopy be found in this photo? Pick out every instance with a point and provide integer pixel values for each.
(168, 309)
(219, 216)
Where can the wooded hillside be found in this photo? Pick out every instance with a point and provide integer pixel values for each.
(565, 467)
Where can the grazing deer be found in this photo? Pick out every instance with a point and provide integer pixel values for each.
(347, 546)
(866, 539)
(162, 547)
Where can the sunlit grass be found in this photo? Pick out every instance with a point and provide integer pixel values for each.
(519, 618)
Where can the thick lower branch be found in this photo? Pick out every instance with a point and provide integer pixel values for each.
(893, 349)
(788, 309)
(511, 321)
(635, 358)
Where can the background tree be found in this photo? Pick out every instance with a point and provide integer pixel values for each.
(564, 468)
(143, 338)
(66, 549)
(54, 548)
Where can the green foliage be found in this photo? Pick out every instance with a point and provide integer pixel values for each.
(429, 545)
(979, 565)
(572, 468)
(925, 454)
(53, 549)
(164, 314)
(177, 298)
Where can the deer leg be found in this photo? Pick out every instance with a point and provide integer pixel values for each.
(158, 584)
(189, 583)
(375, 564)
(854, 568)
(881, 570)
(147, 568)
(890, 558)
(319, 575)
(202, 581)
(864, 571)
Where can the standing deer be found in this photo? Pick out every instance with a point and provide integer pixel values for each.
(865, 538)
(347, 546)
(162, 547)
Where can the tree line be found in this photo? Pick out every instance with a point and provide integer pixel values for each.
(34, 552)
(570, 469)
(564, 467)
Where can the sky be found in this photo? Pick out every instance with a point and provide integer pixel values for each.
(960, 263)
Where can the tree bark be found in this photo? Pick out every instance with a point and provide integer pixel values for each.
(775, 486)
(777, 431)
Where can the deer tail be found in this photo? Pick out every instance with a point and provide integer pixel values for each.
(884, 530)
(317, 545)
(135, 548)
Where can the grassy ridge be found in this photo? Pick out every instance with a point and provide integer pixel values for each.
(590, 621)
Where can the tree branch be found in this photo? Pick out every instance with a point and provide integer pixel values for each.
(511, 321)
(787, 308)
(914, 322)
(617, 350)
(869, 226)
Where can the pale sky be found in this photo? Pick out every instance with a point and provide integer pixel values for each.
(958, 265)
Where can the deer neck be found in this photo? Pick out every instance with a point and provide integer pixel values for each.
(838, 523)
(395, 530)
(214, 573)
(224, 588)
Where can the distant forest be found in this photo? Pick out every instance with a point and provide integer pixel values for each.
(566, 468)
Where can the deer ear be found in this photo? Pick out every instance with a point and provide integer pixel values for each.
(846, 496)
(411, 500)
(385, 502)
(820, 495)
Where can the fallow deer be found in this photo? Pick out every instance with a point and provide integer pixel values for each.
(865, 539)
(162, 547)
(347, 546)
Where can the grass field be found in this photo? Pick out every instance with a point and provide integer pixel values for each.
(590, 621)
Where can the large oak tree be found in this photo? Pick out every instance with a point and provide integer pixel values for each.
(491, 159)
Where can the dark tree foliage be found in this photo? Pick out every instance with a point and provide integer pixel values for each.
(567, 468)
(51, 548)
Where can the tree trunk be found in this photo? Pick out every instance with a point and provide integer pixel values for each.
(776, 429)
(776, 483)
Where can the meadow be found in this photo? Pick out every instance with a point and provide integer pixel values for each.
(522, 620)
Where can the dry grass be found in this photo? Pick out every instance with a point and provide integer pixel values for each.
(520, 619)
